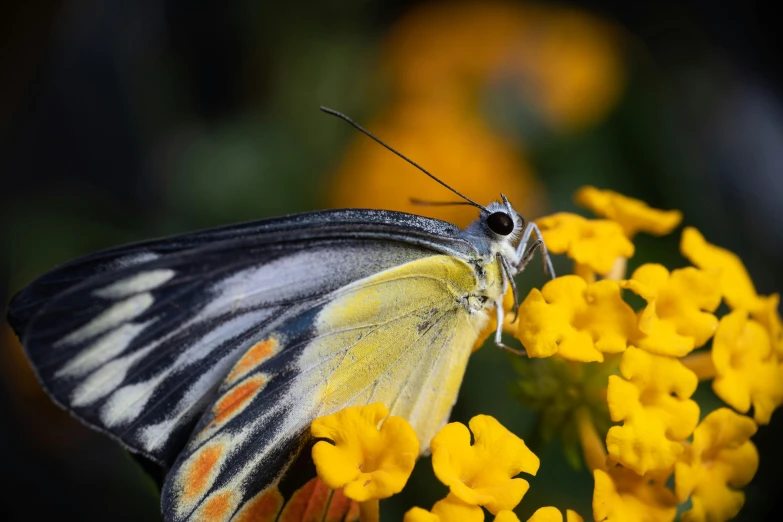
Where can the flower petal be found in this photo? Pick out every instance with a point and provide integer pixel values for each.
(367, 462)
(452, 508)
(507, 516)
(546, 514)
(481, 474)
(595, 243)
(418, 514)
(768, 315)
(621, 495)
(733, 277)
(632, 214)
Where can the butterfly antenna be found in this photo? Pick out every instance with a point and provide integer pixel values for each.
(377, 139)
(428, 203)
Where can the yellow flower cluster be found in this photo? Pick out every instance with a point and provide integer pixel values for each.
(652, 398)
(630, 371)
(367, 463)
(583, 317)
(747, 352)
(579, 321)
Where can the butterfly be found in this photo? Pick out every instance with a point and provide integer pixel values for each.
(210, 353)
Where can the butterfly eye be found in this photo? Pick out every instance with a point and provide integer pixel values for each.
(500, 223)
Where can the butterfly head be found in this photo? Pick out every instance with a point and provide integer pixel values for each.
(502, 220)
(499, 227)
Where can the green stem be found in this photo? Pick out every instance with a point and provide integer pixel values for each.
(620, 267)
(592, 446)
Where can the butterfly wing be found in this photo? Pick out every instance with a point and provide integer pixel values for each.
(407, 228)
(135, 341)
(401, 337)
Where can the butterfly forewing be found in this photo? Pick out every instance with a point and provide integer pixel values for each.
(342, 224)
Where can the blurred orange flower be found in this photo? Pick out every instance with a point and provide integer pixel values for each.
(567, 65)
(564, 68)
(458, 148)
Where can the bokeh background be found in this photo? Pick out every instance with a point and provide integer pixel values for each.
(125, 120)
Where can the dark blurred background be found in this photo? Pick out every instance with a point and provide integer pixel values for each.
(125, 120)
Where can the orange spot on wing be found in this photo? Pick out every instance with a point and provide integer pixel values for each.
(264, 507)
(199, 472)
(217, 508)
(260, 352)
(236, 399)
(307, 504)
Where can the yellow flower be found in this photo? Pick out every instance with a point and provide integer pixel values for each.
(733, 277)
(767, 314)
(544, 514)
(655, 404)
(721, 460)
(369, 463)
(577, 320)
(632, 214)
(621, 495)
(736, 284)
(594, 244)
(448, 509)
(678, 315)
(747, 370)
(482, 474)
(549, 514)
(507, 516)
(418, 514)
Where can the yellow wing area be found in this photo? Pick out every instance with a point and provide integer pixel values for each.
(401, 337)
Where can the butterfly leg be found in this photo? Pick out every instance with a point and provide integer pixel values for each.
(509, 278)
(499, 331)
(524, 253)
(528, 255)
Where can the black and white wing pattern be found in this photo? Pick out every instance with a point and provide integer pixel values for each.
(218, 330)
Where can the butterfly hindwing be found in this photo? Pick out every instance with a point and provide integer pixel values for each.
(401, 337)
